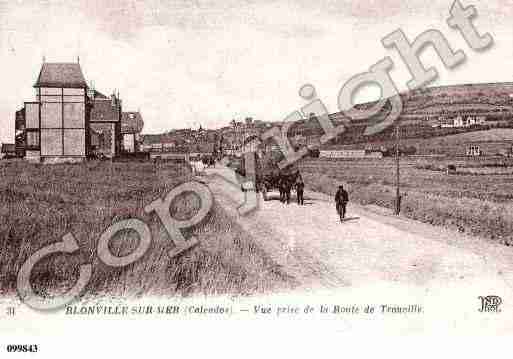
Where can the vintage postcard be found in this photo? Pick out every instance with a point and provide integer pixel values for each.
(184, 177)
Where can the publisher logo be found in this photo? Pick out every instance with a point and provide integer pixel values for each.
(490, 303)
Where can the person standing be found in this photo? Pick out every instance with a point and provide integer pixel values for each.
(300, 187)
(281, 186)
(341, 199)
(288, 189)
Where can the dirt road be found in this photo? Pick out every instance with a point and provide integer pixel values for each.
(310, 243)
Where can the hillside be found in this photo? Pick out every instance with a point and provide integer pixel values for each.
(488, 99)
(422, 108)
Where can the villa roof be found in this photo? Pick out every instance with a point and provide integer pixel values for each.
(61, 75)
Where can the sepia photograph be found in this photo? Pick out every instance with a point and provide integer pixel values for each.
(288, 170)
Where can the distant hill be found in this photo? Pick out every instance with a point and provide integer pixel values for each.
(494, 100)
(422, 109)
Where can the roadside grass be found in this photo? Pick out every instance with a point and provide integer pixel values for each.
(41, 203)
(474, 204)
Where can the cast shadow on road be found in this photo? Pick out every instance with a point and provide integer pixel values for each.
(350, 219)
(293, 200)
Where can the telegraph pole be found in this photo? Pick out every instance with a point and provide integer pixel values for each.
(397, 185)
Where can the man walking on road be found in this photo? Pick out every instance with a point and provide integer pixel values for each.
(288, 189)
(300, 186)
(283, 189)
(280, 188)
(341, 199)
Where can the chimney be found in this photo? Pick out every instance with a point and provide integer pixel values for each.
(113, 100)
(90, 91)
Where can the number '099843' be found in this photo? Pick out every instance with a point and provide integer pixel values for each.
(22, 348)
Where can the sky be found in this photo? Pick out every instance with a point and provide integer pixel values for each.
(186, 63)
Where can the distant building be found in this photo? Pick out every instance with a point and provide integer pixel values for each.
(474, 150)
(161, 143)
(489, 148)
(475, 120)
(459, 122)
(251, 144)
(105, 123)
(131, 127)
(8, 150)
(168, 146)
(445, 122)
(157, 147)
(350, 154)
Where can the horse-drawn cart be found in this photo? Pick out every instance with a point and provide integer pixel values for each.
(265, 173)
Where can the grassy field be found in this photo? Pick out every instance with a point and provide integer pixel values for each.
(470, 201)
(455, 144)
(41, 203)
